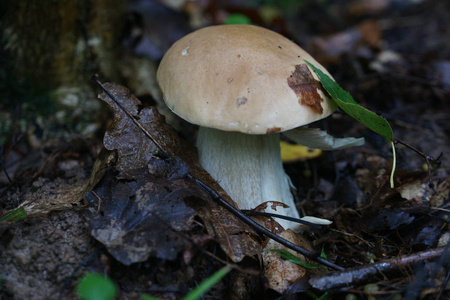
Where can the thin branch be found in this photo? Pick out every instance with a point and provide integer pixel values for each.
(362, 275)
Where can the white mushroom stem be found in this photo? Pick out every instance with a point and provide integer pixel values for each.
(249, 169)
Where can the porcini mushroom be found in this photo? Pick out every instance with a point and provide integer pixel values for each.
(243, 85)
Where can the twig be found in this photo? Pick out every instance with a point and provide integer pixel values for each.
(361, 275)
(238, 213)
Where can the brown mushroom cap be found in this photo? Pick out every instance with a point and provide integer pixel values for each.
(242, 78)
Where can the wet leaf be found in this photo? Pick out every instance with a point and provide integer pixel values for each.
(134, 149)
(140, 173)
(139, 214)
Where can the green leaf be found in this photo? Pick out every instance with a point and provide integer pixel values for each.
(331, 86)
(237, 19)
(204, 287)
(322, 253)
(346, 102)
(96, 287)
(294, 259)
(14, 216)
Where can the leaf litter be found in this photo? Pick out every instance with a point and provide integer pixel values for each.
(145, 205)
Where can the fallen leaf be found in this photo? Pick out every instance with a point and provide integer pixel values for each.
(141, 214)
(423, 234)
(281, 273)
(292, 153)
(129, 136)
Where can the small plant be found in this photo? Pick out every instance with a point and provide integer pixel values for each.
(96, 287)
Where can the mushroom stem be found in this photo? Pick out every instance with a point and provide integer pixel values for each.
(249, 169)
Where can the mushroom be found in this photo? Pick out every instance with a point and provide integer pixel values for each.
(243, 85)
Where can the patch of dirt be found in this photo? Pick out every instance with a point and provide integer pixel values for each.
(42, 258)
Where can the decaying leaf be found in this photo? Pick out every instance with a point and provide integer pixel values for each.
(134, 149)
(146, 189)
(138, 214)
(281, 273)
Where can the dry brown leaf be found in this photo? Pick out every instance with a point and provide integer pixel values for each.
(280, 273)
(135, 150)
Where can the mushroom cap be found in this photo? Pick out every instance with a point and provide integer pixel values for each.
(242, 78)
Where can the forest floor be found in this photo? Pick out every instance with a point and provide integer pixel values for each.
(392, 56)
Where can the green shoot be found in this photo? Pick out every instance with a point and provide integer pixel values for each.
(294, 259)
(207, 284)
(14, 216)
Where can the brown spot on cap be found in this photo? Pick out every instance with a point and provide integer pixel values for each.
(305, 86)
(273, 130)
